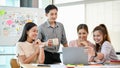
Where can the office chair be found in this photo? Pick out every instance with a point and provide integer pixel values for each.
(14, 64)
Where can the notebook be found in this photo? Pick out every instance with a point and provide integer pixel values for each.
(74, 55)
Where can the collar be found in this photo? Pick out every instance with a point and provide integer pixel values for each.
(48, 24)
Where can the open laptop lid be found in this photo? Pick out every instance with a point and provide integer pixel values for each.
(74, 55)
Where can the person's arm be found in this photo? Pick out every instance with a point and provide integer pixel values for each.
(105, 51)
(24, 60)
(65, 45)
(91, 53)
(99, 56)
(21, 55)
(64, 39)
(96, 57)
(71, 44)
(41, 57)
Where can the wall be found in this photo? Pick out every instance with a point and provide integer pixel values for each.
(12, 22)
(107, 13)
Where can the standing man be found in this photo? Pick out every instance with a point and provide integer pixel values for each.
(51, 30)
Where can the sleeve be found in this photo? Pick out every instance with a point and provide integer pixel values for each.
(19, 50)
(106, 48)
(63, 39)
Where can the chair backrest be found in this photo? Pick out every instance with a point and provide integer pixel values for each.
(14, 64)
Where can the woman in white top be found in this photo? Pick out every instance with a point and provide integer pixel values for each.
(104, 49)
(30, 50)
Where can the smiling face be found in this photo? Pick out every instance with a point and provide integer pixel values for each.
(52, 15)
(98, 37)
(82, 34)
(32, 33)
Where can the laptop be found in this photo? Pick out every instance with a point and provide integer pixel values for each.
(74, 55)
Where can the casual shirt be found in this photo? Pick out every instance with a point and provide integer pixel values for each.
(74, 43)
(25, 48)
(47, 32)
(108, 51)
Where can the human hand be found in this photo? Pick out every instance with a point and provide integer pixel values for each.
(83, 43)
(49, 42)
(90, 50)
(37, 43)
(52, 42)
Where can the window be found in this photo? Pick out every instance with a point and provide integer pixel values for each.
(65, 1)
(94, 13)
(71, 17)
(15, 3)
(2, 2)
(107, 13)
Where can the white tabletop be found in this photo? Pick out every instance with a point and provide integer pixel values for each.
(64, 66)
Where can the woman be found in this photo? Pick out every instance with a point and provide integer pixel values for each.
(30, 50)
(82, 41)
(104, 49)
(82, 31)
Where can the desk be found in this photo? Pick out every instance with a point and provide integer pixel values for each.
(61, 66)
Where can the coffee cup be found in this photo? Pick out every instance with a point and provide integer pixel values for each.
(55, 41)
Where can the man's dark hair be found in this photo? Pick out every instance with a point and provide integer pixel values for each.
(50, 7)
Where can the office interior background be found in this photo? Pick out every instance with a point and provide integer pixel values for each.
(72, 13)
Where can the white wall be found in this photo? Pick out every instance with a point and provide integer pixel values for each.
(71, 17)
(107, 13)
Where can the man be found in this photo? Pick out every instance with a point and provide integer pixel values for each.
(51, 30)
